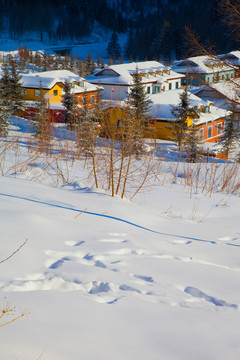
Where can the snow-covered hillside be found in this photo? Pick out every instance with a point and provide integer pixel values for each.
(104, 278)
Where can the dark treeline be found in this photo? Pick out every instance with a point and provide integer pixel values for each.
(155, 28)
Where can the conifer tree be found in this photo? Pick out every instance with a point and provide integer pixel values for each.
(90, 65)
(192, 145)
(114, 49)
(71, 105)
(5, 101)
(181, 113)
(139, 105)
(72, 62)
(231, 134)
(87, 131)
(66, 62)
(42, 123)
(16, 89)
(138, 99)
(45, 61)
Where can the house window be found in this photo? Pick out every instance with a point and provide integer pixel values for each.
(170, 86)
(219, 128)
(177, 85)
(209, 133)
(93, 99)
(55, 92)
(23, 92)
(37, 92)
(148, 90)
(200, 134)
(205, 109)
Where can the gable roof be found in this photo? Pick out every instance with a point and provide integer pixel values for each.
(163, 103)
(200, 64)
(228, 89)
(233, 57)
(48, 79)
(121, 74)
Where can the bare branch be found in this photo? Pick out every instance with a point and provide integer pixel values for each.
(9, 257)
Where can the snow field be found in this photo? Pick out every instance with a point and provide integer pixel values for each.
(155, 278)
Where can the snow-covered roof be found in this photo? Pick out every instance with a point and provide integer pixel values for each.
(200, 64)
(121, 74)
(163, 103)
(228, 89)
(233, 57)
(48, 79)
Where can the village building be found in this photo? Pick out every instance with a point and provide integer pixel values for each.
(222, 94)
(51, 84)
(232, 59)
(200, 70)
(209, 119)
(117, 80)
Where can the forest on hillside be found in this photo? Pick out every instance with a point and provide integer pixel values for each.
(155, 28)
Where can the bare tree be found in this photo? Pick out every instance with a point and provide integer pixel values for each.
(7, 309)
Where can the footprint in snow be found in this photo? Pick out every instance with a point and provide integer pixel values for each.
(144, 278)
(59, 263)
(194, 292)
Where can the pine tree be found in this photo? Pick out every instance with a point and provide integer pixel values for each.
(42, 123)
(192, 145)
(114, 49)
(16, 89)
(138, 99)
(72, 62)
(90, 65)
(71, 105)
(87, 131)
(139, 105)
(45, 61)
(231, 134)
(66, 62)
(5, 101)
(181, 113)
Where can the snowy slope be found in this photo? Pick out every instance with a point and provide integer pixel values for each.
(155, 278)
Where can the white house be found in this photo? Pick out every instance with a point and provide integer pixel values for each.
(117, 80)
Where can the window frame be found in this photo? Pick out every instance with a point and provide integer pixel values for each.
(210, 128)
(201, 134)
(219, 128)
(37, 92)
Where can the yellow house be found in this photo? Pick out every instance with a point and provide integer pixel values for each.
(209, 119)
(51, 83)
(53, 94)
